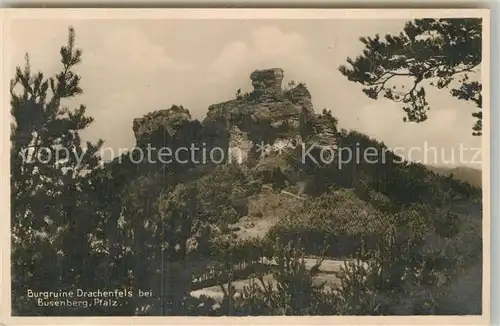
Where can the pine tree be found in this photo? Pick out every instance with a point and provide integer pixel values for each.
(441, 52)
(49, 168)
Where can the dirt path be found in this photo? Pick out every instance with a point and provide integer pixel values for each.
(462, 296)
(328, 267)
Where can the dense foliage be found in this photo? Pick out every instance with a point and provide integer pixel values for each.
(443, 52)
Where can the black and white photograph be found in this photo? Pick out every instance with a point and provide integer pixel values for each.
(236, 164)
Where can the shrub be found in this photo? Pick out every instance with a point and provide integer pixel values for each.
(295, 292)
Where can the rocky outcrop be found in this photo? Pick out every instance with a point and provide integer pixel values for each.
(245, 127)
(266, 115)
(166, 135)
(240, 145)
(267, 81)
(324, 130)
(168, 119)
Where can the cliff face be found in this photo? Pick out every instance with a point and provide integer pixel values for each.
(268, 80)
(166, 127)
(263, 117)
(267, 116)
(161, 133)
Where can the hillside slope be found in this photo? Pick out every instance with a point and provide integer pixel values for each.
(262, 185)
(463, 173)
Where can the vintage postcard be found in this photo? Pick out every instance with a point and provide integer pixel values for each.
(271, 166)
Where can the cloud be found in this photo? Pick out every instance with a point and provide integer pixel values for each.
(124, 76)
(264, 47)
(130, 49)
(230, 58)
(271, 42)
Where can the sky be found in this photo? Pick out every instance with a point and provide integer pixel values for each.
(132, 67)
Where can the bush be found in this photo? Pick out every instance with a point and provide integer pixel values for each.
(294, 293)
(337, 221)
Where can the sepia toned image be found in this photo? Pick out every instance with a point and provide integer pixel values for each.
(239, 166)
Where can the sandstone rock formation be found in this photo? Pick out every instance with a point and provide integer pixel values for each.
(169, 121)
(240, 145)
(268, 116)
(161, 133)
(268, 80)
